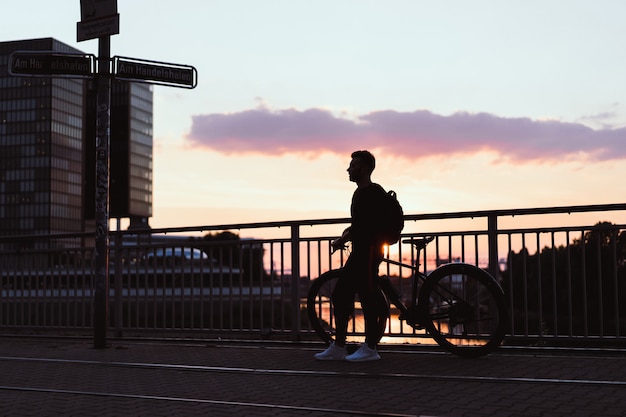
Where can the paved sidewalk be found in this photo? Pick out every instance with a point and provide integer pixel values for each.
(53, 377)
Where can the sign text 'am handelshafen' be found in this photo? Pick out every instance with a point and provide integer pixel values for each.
(155, 72)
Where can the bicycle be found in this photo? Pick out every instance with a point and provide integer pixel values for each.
(462, 307)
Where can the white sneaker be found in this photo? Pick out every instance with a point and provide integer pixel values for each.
(332, 353)
(364, 354)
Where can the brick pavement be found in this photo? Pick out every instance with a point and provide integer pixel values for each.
(52, 377)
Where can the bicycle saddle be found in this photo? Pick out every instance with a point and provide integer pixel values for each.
(419, 243)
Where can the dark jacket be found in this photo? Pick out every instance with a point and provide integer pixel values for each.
(366, 211)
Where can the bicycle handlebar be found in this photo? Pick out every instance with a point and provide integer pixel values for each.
(342, 247)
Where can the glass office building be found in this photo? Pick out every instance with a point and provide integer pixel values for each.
(132, 119)
(130, 181)
(47, 149)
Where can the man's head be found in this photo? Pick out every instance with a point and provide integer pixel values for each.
(361, 166)
(366, 159)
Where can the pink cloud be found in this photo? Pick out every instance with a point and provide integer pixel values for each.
(409, 134)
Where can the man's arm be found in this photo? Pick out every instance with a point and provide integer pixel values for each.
(341, 241)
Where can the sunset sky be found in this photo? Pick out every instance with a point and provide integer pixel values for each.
(467, 105)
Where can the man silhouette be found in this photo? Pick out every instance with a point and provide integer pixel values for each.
(360, 273)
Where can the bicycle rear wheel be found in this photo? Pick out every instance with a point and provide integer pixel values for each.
(464, 309)
(321, 311)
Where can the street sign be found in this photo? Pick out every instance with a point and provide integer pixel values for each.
(95, 9)
(95, 28)
(51, 64)
(97, 18)
(154, 72)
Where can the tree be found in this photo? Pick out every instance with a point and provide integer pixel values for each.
(228, 249)
(577, 289)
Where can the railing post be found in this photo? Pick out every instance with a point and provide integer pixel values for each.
(492, 237)
(295, 282)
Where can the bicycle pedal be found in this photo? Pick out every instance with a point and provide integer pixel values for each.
(411, 317)
(416, 325)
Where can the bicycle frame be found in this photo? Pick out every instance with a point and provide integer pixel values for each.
(409, 312)
(417, 278)
(391, 293)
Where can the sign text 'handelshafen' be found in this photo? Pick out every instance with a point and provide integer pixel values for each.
(154, 72)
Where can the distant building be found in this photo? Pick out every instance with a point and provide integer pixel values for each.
(47, 149)
(130, 180)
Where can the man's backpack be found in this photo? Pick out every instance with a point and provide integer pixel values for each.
(393, 219)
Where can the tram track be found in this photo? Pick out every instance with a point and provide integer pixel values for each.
(317, 373)
(242, 404)
(242, 379)
(238, 406)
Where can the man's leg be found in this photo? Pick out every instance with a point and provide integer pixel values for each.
(376, 314)
(343, 303)
(375, 321)
(372, 302)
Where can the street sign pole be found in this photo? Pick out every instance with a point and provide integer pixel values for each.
(101, 285)
(100, 20)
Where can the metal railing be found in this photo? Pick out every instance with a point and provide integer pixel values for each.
(566, 282)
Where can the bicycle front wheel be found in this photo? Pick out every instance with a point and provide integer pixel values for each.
(321, 311)
(464, 309)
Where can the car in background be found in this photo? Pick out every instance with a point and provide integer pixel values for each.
(175, 256)
(185, 257)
